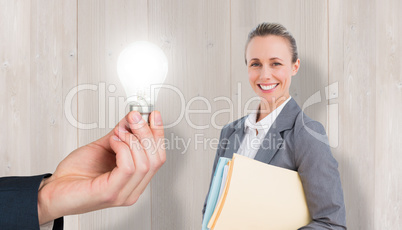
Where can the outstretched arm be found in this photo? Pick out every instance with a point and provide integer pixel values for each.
(112, 171)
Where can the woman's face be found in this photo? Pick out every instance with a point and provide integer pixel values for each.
(270, 68)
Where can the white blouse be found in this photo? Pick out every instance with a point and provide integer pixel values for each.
(253, 139)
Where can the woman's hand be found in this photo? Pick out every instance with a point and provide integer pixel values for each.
(112, 171)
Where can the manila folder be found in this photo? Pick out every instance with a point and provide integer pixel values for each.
(261, 196)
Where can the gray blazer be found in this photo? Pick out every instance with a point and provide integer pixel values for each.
(299, 143)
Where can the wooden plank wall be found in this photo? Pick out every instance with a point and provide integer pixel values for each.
(353, 66)
(351, 59)
(388, 144)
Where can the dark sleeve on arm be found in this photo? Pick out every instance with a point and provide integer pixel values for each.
(19, 203)
(319, 174)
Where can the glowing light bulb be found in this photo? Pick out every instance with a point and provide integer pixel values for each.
(139, 66)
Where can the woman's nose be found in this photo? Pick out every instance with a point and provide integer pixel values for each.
(265, 73)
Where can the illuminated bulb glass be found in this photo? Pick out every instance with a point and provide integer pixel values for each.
(139, 66)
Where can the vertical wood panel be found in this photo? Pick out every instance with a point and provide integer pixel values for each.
(313, 42)
(105, 28)
(195, 36)
(352, 58)
(15, 110)
(388, 129)
(53, 75)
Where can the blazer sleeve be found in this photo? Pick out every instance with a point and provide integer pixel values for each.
(19, 203)
(319, 174)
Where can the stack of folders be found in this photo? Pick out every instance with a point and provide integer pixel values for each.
(248, 194)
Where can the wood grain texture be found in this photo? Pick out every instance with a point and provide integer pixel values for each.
(15, 109)
(388, 129)
(104, 29)
(195, 36)
(47, 48)
(53, 73)
(353, 66)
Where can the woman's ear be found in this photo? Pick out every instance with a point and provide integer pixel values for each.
(295, 67)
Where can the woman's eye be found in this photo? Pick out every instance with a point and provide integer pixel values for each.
(254, 64)
(276, 64)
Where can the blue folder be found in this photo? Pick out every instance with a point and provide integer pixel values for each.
(214, 191)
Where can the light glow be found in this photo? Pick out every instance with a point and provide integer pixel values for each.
(139, 66)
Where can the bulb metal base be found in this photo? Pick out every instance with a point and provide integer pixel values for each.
(144, 110)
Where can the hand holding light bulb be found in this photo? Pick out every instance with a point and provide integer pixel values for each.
(109, 172)
(140, 66)
(114, 170)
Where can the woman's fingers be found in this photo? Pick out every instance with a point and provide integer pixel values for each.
(132, 117)
(135, 124)
(124, 169)
(147, 150)
(158, 133)
(156, 154)
(139, 127)
(131, 168)
(141, 163)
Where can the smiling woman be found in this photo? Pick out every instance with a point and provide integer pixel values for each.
(270, 69)
(272, 60)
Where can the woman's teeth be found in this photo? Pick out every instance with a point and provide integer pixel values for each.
(268, 87)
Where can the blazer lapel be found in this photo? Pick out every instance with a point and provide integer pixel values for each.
(269, 146)
(235, 139)
(273, 140)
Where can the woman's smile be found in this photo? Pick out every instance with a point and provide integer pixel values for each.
(268, 88)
